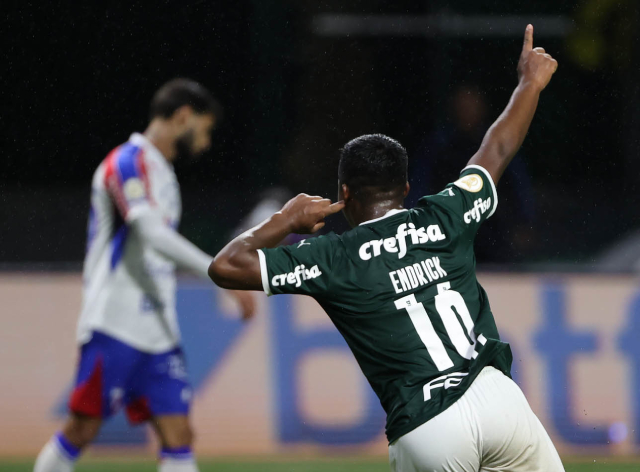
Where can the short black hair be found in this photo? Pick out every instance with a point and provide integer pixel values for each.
(373, 161)
(179, 92)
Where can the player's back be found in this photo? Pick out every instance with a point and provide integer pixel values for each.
(129, 289)
(402, 290)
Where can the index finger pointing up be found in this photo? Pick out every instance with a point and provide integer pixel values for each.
(528, 39)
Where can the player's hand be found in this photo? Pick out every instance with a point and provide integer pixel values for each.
(535, 65)
(247, 302)
(306, 213)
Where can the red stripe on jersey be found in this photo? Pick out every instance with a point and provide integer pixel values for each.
(86, 398)
(113, 182)
(142, 168)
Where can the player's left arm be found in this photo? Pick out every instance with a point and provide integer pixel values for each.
(237, 265)
(507, 134)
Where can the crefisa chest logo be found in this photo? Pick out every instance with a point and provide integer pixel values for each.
(398, 243)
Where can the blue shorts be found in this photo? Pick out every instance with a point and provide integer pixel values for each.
(112, 374)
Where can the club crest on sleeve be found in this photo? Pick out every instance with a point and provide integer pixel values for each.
(471, 183)
(133, 189)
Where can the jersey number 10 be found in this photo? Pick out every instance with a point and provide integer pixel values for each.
(445, 301)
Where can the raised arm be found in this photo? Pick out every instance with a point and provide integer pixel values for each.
(237, 266)
(506, 135)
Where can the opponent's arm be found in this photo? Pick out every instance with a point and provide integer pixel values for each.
(168, 242)
(506, 135)
(237, 266)
(185, 254)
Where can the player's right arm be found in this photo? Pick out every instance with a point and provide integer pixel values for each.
(506, 135)
(238, 265)
(171, 244)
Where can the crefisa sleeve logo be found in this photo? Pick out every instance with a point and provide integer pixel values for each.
(471, 183)
(299, 275)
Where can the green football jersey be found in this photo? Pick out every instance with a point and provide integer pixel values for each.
(402, 291)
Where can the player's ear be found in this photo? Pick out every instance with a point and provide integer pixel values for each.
(407, 187)
(344, 193)
(181, 116)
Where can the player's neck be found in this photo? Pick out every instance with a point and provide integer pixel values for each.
(376, 210)
(159, 136)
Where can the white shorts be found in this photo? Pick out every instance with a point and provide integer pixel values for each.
(490, 428)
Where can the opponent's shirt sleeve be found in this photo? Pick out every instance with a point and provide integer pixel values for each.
(127, 181)
(171, 244)
(303, 268)
(468, 201)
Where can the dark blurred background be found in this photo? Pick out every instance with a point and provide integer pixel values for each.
(300, 78)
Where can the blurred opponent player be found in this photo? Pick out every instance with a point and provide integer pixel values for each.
(402, 290)
(128, 331)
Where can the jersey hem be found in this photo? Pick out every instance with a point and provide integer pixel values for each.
(129, 341)
(419, 421)
(394, 434)
(264, 273)
(493, 185)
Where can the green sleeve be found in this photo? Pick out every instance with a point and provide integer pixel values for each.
(467, 202)
(302, 268)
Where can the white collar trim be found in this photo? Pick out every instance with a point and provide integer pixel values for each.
(387, 215)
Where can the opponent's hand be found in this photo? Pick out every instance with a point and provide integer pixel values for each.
(247, 302)
(306, 213)
(535, 65)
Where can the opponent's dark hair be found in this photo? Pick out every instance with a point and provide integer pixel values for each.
(373, 163)
(179, 92)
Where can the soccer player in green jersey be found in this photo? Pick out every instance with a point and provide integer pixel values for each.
(402, 290)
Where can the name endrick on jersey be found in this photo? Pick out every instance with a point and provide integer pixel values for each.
(417, 275)
(296, 277)
(398, 243)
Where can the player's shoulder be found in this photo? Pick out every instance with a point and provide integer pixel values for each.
(323, 242)
(474, 182)
(124, 154)
(441, 213)
(105, 167)
(123, 169)
(329, 247)
(127, 158)
(436, 204)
